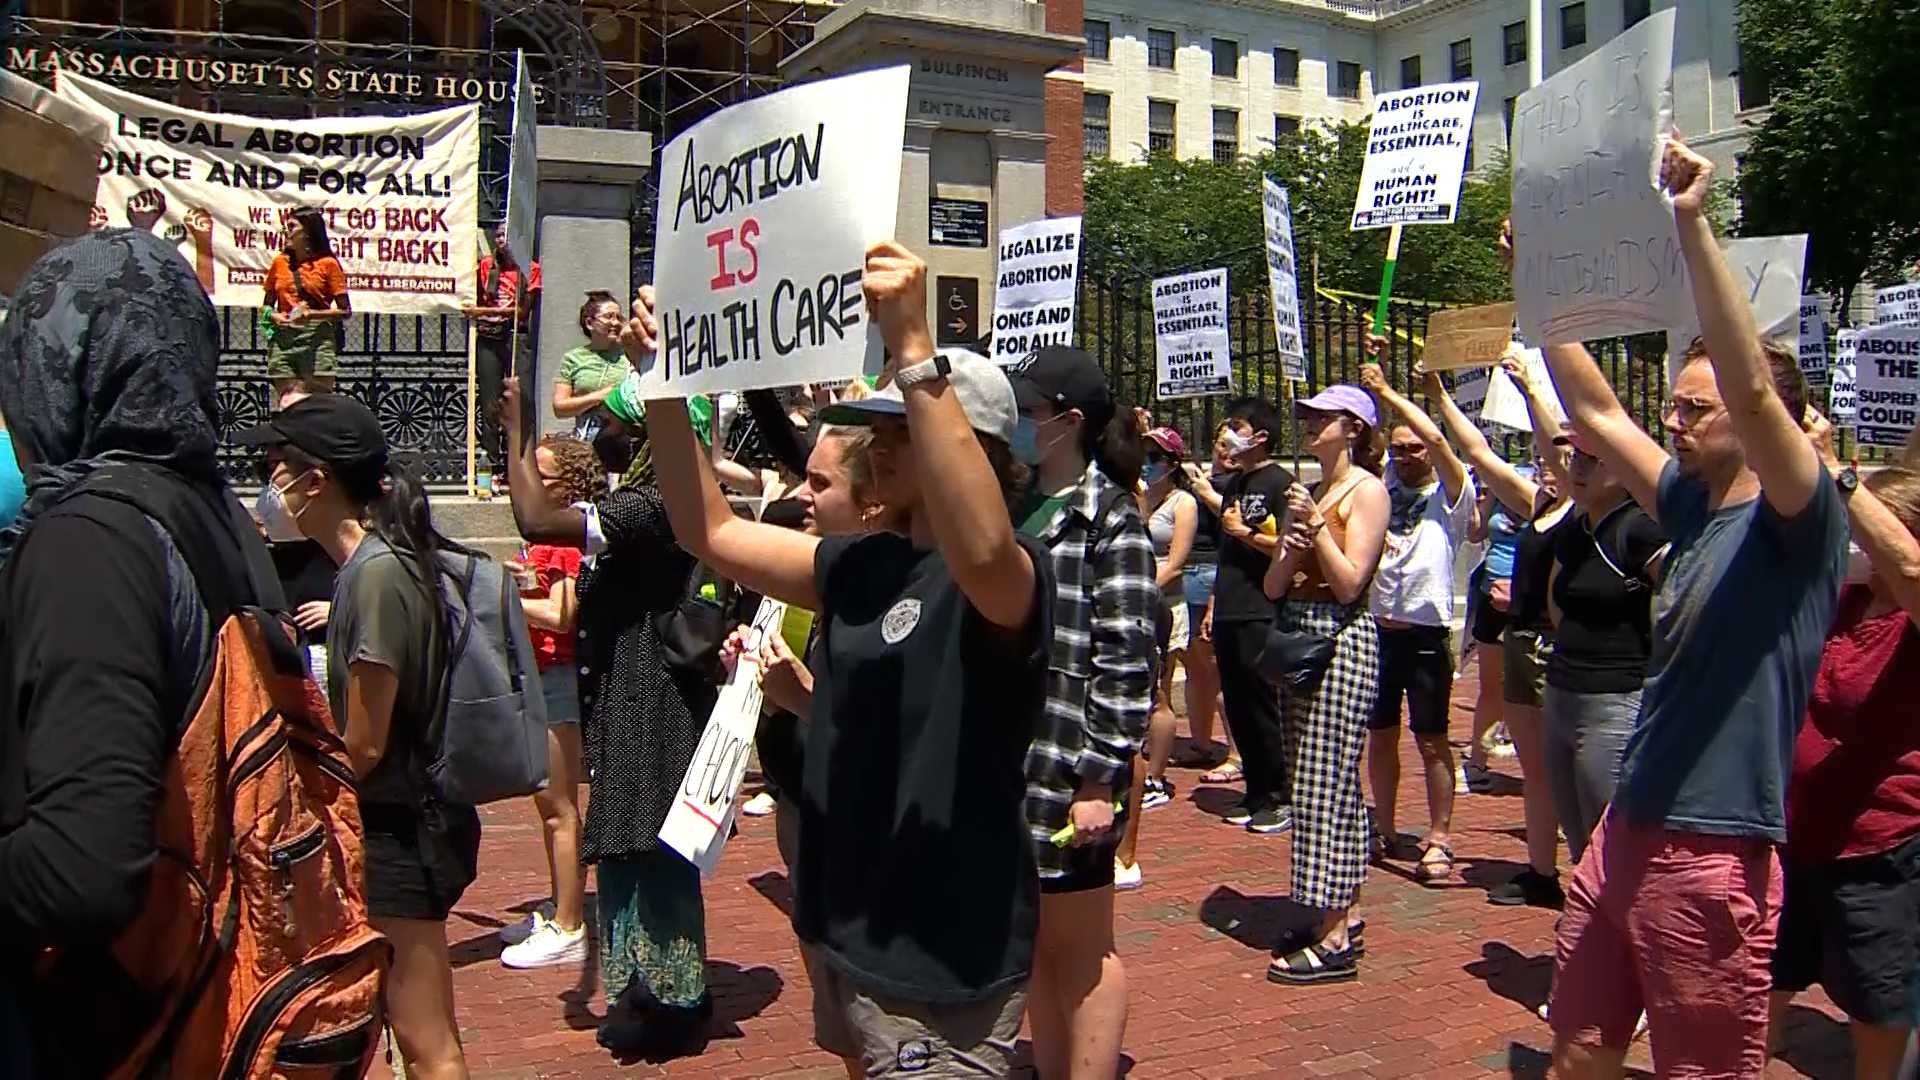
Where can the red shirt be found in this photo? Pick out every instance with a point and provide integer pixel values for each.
(552, 565)
(1856, 766)
(506, 293)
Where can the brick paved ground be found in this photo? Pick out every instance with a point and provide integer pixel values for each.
(1448, 988)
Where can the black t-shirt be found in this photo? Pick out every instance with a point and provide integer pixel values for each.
(306, 575)
(915, 873)
(1239, 593)
(1206, 536)
(1532, 570)
(1606, 603)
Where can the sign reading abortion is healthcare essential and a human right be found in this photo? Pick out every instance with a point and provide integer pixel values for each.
(1190, 335)
(1416, 156)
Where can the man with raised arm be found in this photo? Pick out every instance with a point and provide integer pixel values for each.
(1673, 909)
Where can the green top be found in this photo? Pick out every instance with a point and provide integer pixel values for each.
(1040, 513)
(587, 371)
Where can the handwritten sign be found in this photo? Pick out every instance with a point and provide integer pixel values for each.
(1813, 336)
(1035, 287)
(1283, 279)
(1887, 359)
(523, 167)
(1506, 403)
(1898, 304)
(1468, 337)
(1416, 155)
(1190, 335)
(765, 215)
(1769, 269)
(698, 823)
(1843, 394)
(1595, 250)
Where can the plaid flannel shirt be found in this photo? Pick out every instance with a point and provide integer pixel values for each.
(1101, 667)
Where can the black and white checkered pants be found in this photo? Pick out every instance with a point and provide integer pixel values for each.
(1326, 731)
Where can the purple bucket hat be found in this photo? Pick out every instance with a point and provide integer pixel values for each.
(1343, 398)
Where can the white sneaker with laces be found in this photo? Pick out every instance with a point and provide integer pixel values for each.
(515, 933)
(760, 805)
(1126, 877)
(548, 946)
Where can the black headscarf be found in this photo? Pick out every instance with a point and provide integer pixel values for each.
(108, 356)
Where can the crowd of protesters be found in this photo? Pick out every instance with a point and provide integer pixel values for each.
(993, 575)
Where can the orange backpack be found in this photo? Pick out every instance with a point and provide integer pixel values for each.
(253, 937)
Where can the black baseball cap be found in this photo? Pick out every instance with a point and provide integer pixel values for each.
(1063, 378)
(330, 428)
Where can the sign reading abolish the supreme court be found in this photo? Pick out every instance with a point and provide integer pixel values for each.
(1887, 359)
(1595, 249)
(1283, 278)
(1416, 153)
(1813, 336)
(1898, 304)
(1033, 295)
(1190, 335)
(766, 212)
(401, 193)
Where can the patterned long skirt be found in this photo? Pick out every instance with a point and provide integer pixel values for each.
(653, 929)
(1326, 732)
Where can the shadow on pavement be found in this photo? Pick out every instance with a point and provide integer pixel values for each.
(1216, 799)
(1526, 1063)
(777, 888)
(1514, 975)
(1023, 1068)
(1816, 1044)
(1258, 922)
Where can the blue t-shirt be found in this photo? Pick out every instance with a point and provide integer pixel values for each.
(13, 489)
(1738, 628)
(1503, 534)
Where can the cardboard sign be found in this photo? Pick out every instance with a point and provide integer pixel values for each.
(1769, 269)
(1813, 336)
(766, 213)
(1283, 279)
(523, 166)
(1416, 155)
(1190, 335)
(1898, 304)
(400, 193)
(1506, 403)
(1595, 250)
(1035, 285)
(1887, 361)
(1843, 392)
(1468, 337)
(703, 807)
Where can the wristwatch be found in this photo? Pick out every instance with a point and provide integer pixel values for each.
(1848, 481)
(925, 371)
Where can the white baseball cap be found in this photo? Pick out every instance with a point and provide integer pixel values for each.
(978, 383)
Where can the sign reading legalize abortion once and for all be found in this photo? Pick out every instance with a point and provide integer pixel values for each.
(400, 193)
(766, 213)
(1887, 361)
(1595, 250)
(1034, 288)
(1416, 154)
(1283, 279)
(1813, 336)
(1190, 335)
(1898, 304)
(1843, 391)
(1768, 268)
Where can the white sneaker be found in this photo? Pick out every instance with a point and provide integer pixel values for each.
(548, 946)
(1460, 785)
(760, 805)
(1126, 877)
(515, 933)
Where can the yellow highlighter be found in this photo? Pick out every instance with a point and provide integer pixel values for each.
(1065, 835)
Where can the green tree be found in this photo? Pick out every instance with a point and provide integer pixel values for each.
(1834, 156)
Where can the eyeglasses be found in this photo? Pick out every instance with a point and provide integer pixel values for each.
(1690, 412)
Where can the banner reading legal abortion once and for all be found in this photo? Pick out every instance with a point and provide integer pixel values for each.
(1843, 391)
(1034, 287)
(766, 213)
(1887, 362)
(1283, 279)
(400, 193)
(1416, 155)
(1190, 335)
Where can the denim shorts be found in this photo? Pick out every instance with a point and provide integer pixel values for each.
(1198, 582)
(560, 686)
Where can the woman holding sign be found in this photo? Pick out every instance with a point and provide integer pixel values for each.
(306, 302)
(915, 892)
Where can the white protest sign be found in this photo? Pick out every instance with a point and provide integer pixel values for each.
(1190, 335)
(1595, 250)
(1813, 335)
(1887, 362)
(1769, 269)
(766, 212)
(1843, 392)
(1506, 403)
(697, 823)
(401, 194)
(1470, 393)
(1283, 279)
(1416, 155)
(1034, 287)
(1898, 304)
(523, 168)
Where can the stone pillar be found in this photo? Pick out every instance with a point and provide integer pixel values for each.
(589, 179)
(978, 149)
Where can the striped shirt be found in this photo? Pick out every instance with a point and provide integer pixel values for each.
(1101, 670)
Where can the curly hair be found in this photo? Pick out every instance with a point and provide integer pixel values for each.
(581, 477)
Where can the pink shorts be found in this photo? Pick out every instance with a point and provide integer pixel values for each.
(1679, 925)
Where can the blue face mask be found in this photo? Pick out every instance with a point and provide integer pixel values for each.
(1026, 442)
(1154, 472)
(13, 486)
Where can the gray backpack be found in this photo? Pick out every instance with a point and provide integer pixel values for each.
(489, 742)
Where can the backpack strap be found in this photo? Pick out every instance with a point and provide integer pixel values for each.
(1616, 562)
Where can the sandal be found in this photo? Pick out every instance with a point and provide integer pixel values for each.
(1438, 870)
(1302, 936)
(1227, 772)
(1314, 964)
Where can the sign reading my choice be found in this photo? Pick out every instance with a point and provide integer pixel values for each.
(765, 215)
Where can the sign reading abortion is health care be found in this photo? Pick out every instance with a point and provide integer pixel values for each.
(1416, 155)
(766, 213)
(1190, 335)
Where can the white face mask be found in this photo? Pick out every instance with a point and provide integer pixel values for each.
(1237, 444)
(281, 524)
(1859, 567)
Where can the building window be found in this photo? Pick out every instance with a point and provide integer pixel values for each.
(1633, 11)
(1506, 115)
(1160, 48)
(1285, 127)
(1460, 56)
(1573, 26)
(1096, 126)
(1099, 38)
(1752, 83)
(1226, 135)
(1347, 80)
(1159, 127)
(1513, 43)
(1286, 67)
(1409, 72)
(1226, 58)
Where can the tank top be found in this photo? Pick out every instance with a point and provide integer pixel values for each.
(1310, 581)
(1206, 547)
(1503, 537)
(1160, 531)
(1533, 570)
